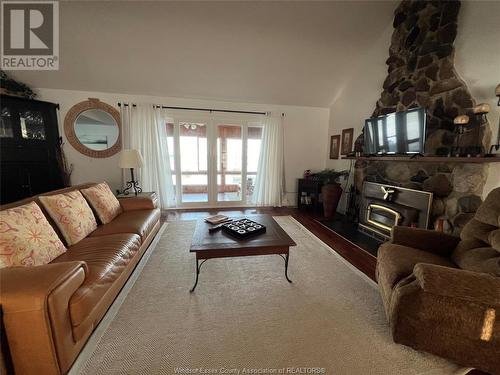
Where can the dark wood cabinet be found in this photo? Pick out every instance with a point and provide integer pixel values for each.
(29, 148)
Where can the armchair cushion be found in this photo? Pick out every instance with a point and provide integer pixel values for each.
(489, 211)
(456, 283)
(478, 230)
(480, 259)
(395, 262)
(494, 239)
(432, 241)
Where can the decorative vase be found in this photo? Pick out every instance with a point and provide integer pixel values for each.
(331, 196)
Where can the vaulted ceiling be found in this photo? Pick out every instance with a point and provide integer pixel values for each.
(295, 53)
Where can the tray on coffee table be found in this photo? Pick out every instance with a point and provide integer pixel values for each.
(243, 228)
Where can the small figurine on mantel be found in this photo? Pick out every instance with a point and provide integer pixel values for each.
(359, 144)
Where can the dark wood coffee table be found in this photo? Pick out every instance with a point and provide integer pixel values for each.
(221, 245)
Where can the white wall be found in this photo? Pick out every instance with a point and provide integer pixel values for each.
(356, 101)
(305, 131)
(477, 61)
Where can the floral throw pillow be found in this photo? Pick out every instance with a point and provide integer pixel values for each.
(72, 215)
(26, 237)
(103, 201)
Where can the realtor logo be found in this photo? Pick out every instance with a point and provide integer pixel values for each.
(30, 35)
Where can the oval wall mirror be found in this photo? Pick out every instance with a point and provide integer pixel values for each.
(93, 128)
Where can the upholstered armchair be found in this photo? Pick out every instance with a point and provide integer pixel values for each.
(441, 293)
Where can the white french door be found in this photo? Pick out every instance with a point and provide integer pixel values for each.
(213, 159)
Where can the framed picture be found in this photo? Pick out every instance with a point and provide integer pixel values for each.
(334, 146)
(347, 138)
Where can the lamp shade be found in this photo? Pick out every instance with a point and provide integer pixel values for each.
(461, 120)
(481, 109)
(131, 159)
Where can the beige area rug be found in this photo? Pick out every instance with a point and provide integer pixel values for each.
(244, 317)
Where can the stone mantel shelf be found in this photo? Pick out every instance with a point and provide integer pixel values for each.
(427, 159)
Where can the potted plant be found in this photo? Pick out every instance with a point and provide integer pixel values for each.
(331, 190)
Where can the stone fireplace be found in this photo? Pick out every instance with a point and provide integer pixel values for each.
(456, 187)
(384, 206)
(421, 73)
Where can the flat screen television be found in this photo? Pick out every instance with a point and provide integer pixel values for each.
(396, 133)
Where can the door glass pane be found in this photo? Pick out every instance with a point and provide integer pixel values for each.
(6, 128)
(253, 152)
(193, 155)
(32, 126)
(229, 156)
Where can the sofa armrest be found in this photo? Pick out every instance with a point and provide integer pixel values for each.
(36, 317)
(457, 283)
(428, 240)
(27, 288)
(141, 202)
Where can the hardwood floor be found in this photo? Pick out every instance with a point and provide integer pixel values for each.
(359, 258)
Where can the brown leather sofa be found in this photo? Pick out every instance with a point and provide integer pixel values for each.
(442, 294)
(49, 311)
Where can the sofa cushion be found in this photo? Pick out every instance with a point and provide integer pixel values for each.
(72, 215)
(103, 201)
(395, 262)
(140, 222)
(106, 258)
(27, 238)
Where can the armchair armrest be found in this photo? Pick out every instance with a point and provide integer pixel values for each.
(36, 317)
(457, 283)
(428, 240)
(145, 201)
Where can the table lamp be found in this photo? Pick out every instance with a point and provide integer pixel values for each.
(131, 159)
(496, 146)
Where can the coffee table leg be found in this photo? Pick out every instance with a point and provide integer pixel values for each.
(198, 268)
(286, 267)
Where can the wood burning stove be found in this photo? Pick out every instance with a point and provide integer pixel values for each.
(382, 216)
(384, 206)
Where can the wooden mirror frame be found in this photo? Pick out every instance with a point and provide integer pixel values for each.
(69, 128)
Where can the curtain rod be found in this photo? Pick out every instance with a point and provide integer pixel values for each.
(202, 109)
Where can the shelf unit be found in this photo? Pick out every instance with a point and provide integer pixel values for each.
(312, 189)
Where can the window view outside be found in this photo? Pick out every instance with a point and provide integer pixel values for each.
(193, 151)
(229, 162)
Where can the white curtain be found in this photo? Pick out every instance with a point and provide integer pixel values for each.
(144, 130)
(269, 184)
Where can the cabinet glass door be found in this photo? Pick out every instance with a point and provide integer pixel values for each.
(6, 123)
(32, 125)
